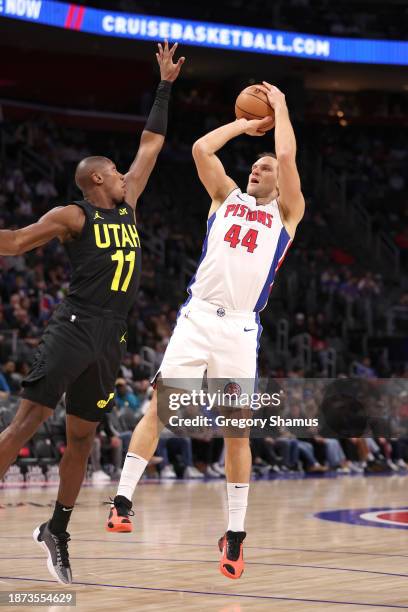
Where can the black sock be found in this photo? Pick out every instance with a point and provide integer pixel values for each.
(60, 518)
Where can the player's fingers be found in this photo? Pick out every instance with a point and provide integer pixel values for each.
(264, 89)
(166, 45)
(275, 89)
(160, 48)
(173, 49)
(181, 61)
(265, 121)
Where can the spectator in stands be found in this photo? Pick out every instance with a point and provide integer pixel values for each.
(139, 372)
(5, 340)
(12, 378)
(364, 369)
(107, 444)
(265, 459)
(126, 368)
(177, 456)
(207, 453)
(368, 286)
(4, 387)
(305, 435)
(45, 189)
(329, 280)
(299, 325)
(125, 397)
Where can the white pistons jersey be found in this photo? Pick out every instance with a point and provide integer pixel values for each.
(242, 251)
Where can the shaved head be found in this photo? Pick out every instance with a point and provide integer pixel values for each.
(87, 168)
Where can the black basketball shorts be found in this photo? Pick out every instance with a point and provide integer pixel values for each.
(80, 355)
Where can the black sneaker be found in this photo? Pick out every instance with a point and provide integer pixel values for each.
(118, 519)
(56, 546)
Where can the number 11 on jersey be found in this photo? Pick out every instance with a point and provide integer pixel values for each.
(121, 258)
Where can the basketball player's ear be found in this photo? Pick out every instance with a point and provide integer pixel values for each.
(97, 178)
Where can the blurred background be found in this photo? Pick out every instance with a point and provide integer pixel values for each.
(340, 304)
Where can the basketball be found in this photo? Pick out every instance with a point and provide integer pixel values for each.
(252, 103)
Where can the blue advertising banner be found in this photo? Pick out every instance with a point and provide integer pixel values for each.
(204, 34)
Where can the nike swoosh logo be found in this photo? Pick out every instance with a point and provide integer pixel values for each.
(244, 487)
(249, 328)
(67, 509)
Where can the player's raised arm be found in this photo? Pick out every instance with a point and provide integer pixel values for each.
(154, 132)
(291, 200)
(62, 222)
(209, 167)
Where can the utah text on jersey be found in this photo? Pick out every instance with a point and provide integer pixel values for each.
(119, 234)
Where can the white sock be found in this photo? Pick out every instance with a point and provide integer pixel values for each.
(132, 471)
(237, 505)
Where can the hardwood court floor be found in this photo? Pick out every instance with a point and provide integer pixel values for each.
(294, 561)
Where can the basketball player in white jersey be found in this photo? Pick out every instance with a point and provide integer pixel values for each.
(218, 327)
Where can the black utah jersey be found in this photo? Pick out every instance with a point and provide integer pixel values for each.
(106, 259)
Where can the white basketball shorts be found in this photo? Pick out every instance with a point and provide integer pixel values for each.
(209, 338)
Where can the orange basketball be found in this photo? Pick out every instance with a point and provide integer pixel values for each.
(252, 103)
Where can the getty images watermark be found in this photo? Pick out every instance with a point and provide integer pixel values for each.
(343, 407)
(233, 399)
(245, 402)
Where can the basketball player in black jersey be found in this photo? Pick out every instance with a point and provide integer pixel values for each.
(81, 349)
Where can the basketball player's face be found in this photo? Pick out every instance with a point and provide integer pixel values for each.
(263, 179)
(115, 183)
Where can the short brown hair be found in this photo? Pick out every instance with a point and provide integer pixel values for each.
(266, 154)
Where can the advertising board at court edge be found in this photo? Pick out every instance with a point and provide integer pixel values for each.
(205, 34)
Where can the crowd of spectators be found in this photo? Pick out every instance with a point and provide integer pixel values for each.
(351, 436)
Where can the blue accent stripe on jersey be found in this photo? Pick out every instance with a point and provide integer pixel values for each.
(283, 241)
(258, 342)
(210, 222)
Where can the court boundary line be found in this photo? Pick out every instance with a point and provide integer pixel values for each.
(298, 565)
(287, 549)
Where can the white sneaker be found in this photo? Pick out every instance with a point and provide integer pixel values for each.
(99, 477)
(218, 468)
(392, 465)
(210, 473)
(356, 468)
(168, 472)
(192, 472)
(343, 470)
(401, 464)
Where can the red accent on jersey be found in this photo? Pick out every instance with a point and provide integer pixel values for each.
(232, 236)
(249, 240)
(240, 210)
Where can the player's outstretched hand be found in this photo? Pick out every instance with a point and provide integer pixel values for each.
(276, 97)
(169, 70)
(259, 127)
